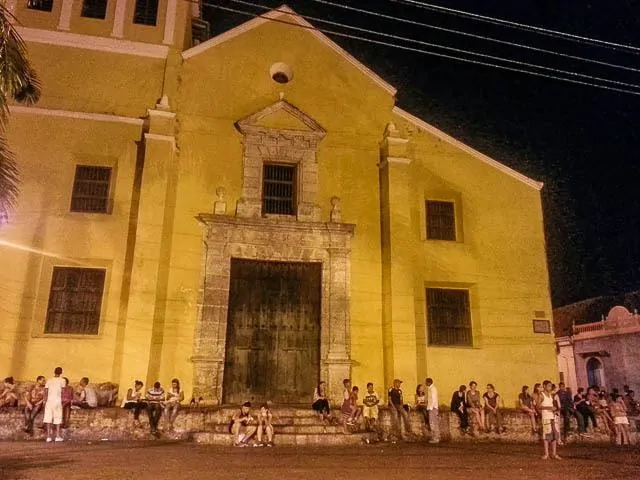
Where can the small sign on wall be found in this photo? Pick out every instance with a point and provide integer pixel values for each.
(541, 326)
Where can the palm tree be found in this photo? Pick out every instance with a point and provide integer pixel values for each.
(18, 82)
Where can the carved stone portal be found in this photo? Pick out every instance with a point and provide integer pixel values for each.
(267, 239)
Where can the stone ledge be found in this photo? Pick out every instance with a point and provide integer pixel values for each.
(299, 425)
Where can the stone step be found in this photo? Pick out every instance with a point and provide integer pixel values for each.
(214, 438)
(277, 421)
(289, 429)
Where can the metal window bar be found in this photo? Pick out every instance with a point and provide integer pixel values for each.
(94, 9)
(441, 221)
(146, 12)
(75, 299)
(91, 189)
(449, 317)
(42, 5)
(278, 189)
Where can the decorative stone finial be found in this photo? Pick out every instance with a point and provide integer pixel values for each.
(336, 210)
(281, 95)
(163, 104)
(391, 130)
(220, 206)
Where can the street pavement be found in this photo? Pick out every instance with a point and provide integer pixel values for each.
(177, 461)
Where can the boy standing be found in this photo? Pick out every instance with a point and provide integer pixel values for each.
(398, 413)
(370, 410)
(53, 403)
(432, 408)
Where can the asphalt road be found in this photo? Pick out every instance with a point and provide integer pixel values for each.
(177, 461)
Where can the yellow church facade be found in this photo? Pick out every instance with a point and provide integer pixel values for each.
(252, 213)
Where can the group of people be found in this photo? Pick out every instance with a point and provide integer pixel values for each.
(594, 406)
(426, 402)
(36, 397)
(549, 408)
(244, 426)
(155, 401)
(57, 398)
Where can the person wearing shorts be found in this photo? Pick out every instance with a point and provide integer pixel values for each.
(53, 403)
(550, 433)
(370, 408)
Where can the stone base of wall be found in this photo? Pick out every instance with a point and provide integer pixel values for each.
(295, 424)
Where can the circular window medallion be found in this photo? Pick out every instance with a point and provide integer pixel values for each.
(281, 72)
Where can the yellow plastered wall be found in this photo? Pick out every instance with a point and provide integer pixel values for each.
(95, 81)
(499, 257)
(43, 233)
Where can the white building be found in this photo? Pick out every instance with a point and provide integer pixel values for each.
(605, 353)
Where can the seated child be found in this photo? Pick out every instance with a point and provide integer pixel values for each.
(265, 427)
(370, 409)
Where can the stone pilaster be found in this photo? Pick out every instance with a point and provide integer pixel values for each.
(399, 322)
(143, 327)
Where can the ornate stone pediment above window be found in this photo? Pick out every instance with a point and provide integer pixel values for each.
(280, 169)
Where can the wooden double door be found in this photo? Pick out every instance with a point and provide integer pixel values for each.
(273, 332)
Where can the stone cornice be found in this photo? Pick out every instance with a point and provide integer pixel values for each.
(261, 223)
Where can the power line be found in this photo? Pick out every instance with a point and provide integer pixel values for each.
(522, 26)
(480, 37)
(426, 52)
(444, 47)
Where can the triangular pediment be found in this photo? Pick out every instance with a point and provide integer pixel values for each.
(284, 15)
(281, 116)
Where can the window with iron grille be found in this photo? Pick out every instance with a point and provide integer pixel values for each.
(94, 9)
(448, 317)
(441, 220)
(278, 189)
(75, 300)
(91, 189)
(42, 5)
(146, 12)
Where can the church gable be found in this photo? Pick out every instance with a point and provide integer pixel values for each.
(285, 15)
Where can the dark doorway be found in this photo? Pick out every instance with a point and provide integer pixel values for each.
(273, 332)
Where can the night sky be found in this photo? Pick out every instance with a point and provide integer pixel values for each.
(582, 142)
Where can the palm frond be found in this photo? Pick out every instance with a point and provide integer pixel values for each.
(18, 79)
(9, 177)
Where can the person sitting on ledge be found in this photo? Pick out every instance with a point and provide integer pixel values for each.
(320, 403)
(175, 395)
(67, 402)
(265, 427)
(242, 426)
(87, 397)
(134, 400)
(34, 400)
(155, 405)
(8, 397)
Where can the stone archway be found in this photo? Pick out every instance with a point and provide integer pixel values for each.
(263, 239)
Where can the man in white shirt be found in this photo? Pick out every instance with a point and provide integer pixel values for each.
(432, 408)
(53, 403)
